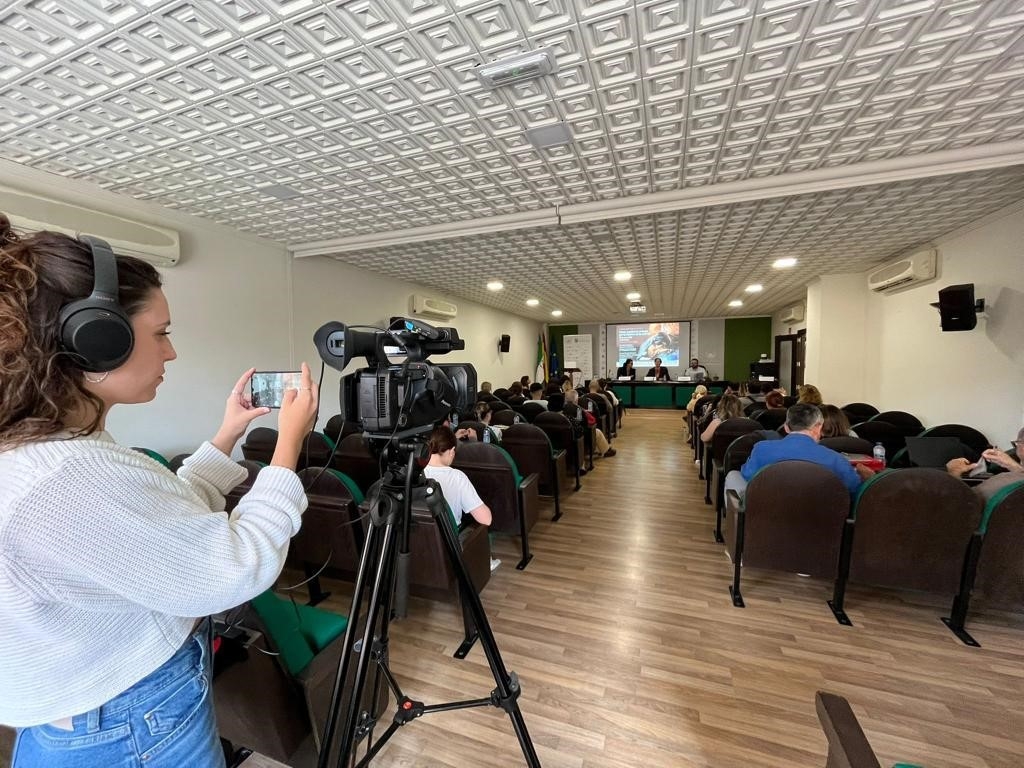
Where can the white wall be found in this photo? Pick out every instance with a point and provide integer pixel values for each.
(969, 377)
(836, 339)
(325, 290)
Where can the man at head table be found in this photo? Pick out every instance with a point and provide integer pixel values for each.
(658, 373)
(696, 371)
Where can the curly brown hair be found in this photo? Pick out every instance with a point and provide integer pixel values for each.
(41, 383)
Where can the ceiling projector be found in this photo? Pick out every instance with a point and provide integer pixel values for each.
(522, 66)
(636, 308)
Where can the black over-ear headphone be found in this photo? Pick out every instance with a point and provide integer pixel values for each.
(96, 331)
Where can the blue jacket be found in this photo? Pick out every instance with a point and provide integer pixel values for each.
(799, 447)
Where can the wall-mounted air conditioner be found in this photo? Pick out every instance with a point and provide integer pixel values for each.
(32, 213)
(794, 314)
(908, 271)
(427, 305)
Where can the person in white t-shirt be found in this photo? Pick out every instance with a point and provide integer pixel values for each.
(459, 493)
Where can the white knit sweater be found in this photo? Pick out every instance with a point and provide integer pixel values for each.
(107, 558)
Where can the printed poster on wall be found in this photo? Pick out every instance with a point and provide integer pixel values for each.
(579, 353)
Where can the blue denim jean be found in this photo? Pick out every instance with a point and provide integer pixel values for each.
(165, 720)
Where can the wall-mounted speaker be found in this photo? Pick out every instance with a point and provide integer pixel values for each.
(958, 309)
(504, 342)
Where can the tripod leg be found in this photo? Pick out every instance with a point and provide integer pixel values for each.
(506, 694)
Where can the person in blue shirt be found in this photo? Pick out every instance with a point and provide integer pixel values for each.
(803, 423)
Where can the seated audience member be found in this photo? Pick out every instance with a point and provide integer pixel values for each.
(459, 493)
(836, 424)
(485, 389)
(728, 408)
(515, 394)
(626, 370)
(1003, 461)
(524, 382)
(657, 372)
(566, 384)
(808, 393)
(696, 371)
(537, 394)
(604, 389)
(601, 445)
(753, 394)
(698, 392)
(803, 425)
(774, 399)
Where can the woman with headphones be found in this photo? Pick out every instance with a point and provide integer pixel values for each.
(108, 561)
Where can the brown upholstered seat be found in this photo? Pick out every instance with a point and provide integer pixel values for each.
(969, 436)
(847, 444)
(792, 518)
(564, 437)
(726, 432)
(331, 537)
(512, 498)
(315, 451)
(770, 418)
(356, 459)
(506, 417)
(908, 423)
(994, 571)
(338, 429)
(533, 453)
(857, 412)
(892, 438)
(736, 454)
(430, 569)
(259, 444)
(531, 410)
(913, 527)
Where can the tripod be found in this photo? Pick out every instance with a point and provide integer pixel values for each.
(350, 721)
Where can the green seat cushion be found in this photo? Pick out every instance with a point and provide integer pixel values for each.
(350, 484)
(997, 498)
(320, 627)
(155, 456)
(281, 619)
(512, 463)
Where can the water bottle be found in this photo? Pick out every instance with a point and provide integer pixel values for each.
(879, 453)
(454, 420)
(487, 435)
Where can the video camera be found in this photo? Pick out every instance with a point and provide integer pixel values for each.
(396, 400)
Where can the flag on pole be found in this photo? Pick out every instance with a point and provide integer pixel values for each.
(540, 373)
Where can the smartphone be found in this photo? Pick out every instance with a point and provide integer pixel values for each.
(268, 387)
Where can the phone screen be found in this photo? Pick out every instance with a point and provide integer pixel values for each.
(268, 387)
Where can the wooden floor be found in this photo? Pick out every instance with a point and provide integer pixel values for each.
(631, 654)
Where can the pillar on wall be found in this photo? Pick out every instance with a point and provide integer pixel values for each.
(837, 337)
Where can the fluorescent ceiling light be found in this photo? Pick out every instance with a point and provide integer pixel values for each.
(532, 302)
(521, 66)
(556, 313)
(495, 285)
(554, 135)
(754, 288)
(784, 263)
(623, 276)
(633, 296)
(735, 303)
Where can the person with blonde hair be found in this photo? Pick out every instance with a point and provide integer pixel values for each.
(110, 564)
(729, 407)
(809, 395)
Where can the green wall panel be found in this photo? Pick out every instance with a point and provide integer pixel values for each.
(746, 338)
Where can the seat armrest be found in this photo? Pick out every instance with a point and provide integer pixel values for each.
(556, 455)
(531, 479)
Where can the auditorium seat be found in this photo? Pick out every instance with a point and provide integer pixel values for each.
(259, 444)
(771, 418)
(564, 436)
(315, 450)
(848, 747)
(157, 457)
(891, 437)
(331, 537)
(912, 530)
(725, 433)
(907, 423)
(531, 410)
(512, 498)
(847, 444)
(338, 429)
(501, 393)
(857, 412)
(356, 459)
(506, 418)
(793, 517)
(994, 571)
(499, 405)
(176, 461)
(736, 454)
(533, 452)
(969, 436)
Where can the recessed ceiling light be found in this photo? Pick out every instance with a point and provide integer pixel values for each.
(623, 276)
(495, 285)
(545, 136)
(556, 313)
(735, 303)
(532, 302)
(754, 288)
(633, 296)
(784, 263)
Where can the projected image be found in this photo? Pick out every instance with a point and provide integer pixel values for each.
(645, 341)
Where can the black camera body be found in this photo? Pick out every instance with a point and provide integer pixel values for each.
(397, 400)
